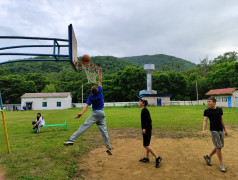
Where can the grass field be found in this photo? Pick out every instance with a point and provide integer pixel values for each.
(43, 156)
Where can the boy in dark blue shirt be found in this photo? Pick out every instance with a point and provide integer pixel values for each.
(97, 116)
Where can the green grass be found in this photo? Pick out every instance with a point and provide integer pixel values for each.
(43, 156)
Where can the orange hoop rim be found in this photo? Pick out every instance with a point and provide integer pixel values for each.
(86, 65)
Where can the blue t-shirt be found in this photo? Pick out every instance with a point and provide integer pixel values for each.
(97, 101)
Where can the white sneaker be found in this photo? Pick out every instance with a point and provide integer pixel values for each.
(222, 168)
(68, 143)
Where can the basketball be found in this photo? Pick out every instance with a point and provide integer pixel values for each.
(85, 58)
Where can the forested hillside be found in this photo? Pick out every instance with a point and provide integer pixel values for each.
(162, 62)
(122, 81)
(109, 65)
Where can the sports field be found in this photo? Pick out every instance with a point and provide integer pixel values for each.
(176, 137)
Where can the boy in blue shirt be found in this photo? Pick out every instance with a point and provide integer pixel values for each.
(97, 116)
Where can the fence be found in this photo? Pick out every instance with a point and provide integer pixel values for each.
(110, 104)
(188, 103)
(9, 107)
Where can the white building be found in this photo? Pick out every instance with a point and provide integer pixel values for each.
(46, 101)
(156, 99)
(227, 97)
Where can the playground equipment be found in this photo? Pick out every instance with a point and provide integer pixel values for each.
(1, 105)
(5, 130)
(4, 122)
(92, 70)
(57, 45)
(53, 125)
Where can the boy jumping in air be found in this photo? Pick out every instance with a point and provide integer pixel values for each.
(97, 116)
(217, 126)
(146, 127)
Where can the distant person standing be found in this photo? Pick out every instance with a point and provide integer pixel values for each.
(217, 126)
(146, 127)
(97, 116)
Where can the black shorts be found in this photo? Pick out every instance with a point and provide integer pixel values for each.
(146, 138)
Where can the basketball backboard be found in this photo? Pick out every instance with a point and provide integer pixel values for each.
(56, 55)
(73, 48)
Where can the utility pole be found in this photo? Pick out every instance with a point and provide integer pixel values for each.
(197, 91)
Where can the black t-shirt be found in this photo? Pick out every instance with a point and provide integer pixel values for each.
(214, 116)
(146, 120)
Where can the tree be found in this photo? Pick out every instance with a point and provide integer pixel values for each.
(226, 57)
(39, 79)
(13, 87)
(178, 66)
(203, 67)
(203, 86)
(130, 81)
(49, 89)
(225, 76)
(160, 82)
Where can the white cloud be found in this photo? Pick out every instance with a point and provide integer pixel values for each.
(188, 29)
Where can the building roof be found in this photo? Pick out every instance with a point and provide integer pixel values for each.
(221, 91)
(46, 95)
(154, 95)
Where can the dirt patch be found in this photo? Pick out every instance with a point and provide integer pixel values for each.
(2, 175)
(182, 159)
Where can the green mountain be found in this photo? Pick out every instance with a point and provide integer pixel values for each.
(162, 62)
(109, 64)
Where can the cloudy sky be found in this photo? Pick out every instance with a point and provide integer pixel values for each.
(191, 30)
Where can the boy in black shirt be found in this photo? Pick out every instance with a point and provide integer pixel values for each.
(216, 127)
(146, 131)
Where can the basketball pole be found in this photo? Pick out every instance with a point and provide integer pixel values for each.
(5, 130)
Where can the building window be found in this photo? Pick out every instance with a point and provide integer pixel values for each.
(224, 99)
(58, 104)
(44, 104)
(236, 99)
(218, 99)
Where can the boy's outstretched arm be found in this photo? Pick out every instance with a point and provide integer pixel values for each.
(204, 125)
(83, 111)
(100, 78)
(224, 127)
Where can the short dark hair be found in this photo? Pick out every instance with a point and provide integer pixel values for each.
(145, 102)
(94, 90)
(212, 98)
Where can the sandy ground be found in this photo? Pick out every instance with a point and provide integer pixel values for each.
(2, 175)
(182, 159)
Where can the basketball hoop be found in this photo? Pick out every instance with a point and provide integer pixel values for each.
(92, 70)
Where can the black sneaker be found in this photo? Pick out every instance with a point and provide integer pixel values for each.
(157, 162)
(69, 143)
(208, 160)
(145, 160)
(109, 151)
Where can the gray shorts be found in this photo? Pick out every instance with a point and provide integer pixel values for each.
(218, 139)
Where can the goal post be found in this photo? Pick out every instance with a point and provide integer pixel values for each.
(5, 130)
